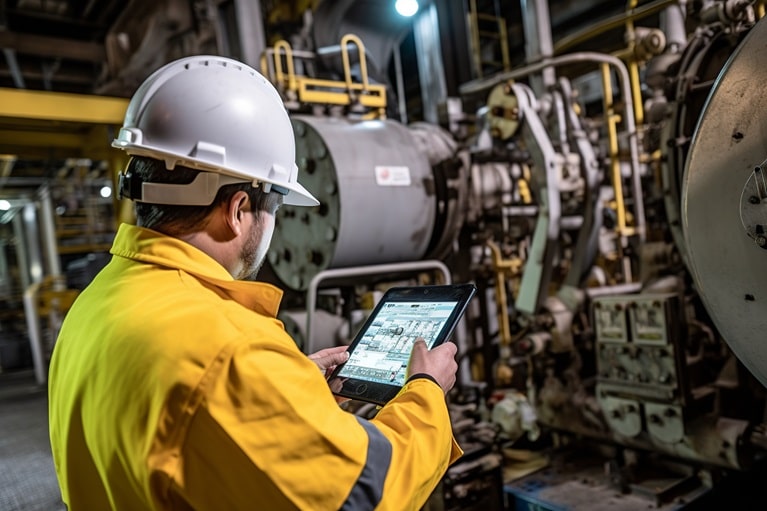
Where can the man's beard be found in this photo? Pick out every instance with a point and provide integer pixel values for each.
(254, 249)
(251, 259)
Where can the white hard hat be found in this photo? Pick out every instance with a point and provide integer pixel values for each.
(217, 115)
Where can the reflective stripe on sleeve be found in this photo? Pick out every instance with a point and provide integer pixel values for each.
(368, 490)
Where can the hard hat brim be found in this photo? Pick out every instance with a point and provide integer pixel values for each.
(299, 196)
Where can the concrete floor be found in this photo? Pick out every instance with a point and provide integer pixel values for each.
(27, 478)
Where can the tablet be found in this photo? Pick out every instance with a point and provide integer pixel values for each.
(380, 352)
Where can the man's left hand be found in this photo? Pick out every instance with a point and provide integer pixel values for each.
(329, 358)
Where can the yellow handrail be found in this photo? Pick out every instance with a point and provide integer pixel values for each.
(315, 90)
(345, 40)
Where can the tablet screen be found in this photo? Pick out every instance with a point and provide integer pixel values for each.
(380, 352)
(383, 351)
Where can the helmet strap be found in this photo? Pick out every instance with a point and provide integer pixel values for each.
(200, 192)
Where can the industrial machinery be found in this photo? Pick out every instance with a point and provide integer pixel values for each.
(603, 192)
(607, 207)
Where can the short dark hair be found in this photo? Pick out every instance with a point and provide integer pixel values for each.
(174, 219)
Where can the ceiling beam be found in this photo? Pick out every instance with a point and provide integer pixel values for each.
(52, 146)
(52, 47)
(60, 106)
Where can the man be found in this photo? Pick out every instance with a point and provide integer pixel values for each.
(172, 385)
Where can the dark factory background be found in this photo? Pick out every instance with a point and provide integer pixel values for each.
(594, 167)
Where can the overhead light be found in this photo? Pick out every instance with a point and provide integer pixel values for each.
(106, 191)
(4, 205)
(406, 7)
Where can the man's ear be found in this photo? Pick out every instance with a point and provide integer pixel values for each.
(234, 210)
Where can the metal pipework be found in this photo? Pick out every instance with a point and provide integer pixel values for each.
(623, 77)
(633, 67)
(611, 118)
(503, 268)
(539, 44)
(48, 227)
(364, 271)
(727, 11)
(631, 14)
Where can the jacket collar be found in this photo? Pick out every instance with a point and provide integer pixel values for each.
(148, 246)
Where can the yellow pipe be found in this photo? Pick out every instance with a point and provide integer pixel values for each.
(523, 184)
(636, 92)
(503, 267)
(500, 293)
(633, 66)
(612, 136)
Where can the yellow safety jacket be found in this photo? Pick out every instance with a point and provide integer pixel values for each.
(173, 386)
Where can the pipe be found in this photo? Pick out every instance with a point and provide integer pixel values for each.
(35, 333)
(47, 223)
(623, 77)
(13, 66)
(611, 23)
(361, 271)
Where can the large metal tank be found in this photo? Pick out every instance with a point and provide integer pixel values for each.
(377, 199)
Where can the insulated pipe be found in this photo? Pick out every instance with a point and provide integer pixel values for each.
(362, 271)
(539, 44)
(378, 199)
(48, 227)
(31, 297)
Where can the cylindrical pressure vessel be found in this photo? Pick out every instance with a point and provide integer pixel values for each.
(377, 199)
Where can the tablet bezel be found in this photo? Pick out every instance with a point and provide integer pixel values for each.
(380, 393)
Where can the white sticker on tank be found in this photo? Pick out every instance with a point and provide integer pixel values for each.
(392, 176)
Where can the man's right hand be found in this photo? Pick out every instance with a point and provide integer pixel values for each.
(439, 363)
